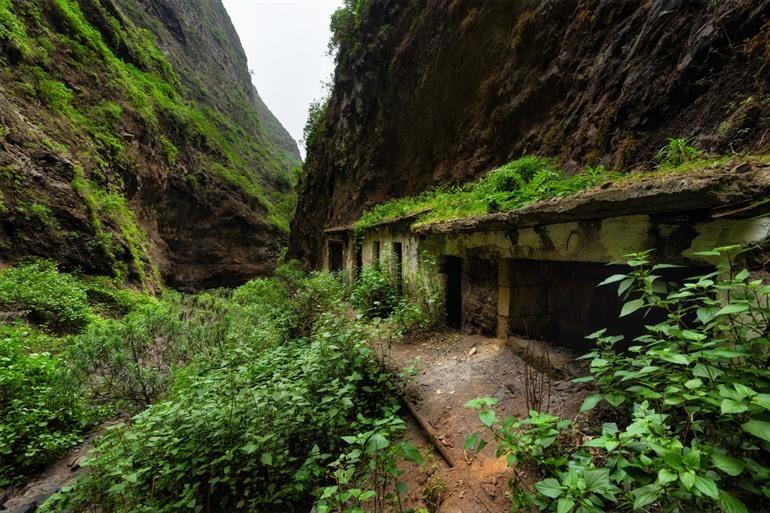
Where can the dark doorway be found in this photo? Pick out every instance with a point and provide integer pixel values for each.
(453, 268)
(376, 252)
(359, 259)
(336, 250)
(398, 265)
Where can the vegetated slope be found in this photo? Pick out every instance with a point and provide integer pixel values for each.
(131, 144)
(435, 92)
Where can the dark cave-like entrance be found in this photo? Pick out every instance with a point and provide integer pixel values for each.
(452, 267)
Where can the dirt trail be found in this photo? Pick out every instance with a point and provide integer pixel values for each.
(60, 473)
(453, 369)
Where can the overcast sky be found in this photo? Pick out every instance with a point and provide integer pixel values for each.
(285, 42)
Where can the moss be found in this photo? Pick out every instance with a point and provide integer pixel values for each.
(112, 206)
(39, 212)
(134, 81)
(511, 186)
(171, 152)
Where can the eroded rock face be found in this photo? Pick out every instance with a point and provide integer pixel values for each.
(133, 143)
(442, 91)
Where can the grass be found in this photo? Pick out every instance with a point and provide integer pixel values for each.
(531, 179)
(514, 185)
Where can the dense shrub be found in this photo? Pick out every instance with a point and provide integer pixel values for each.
(41, 412)
(687, 407)
(375, 293)
(244, 437)
(126, 362)
(47, 297)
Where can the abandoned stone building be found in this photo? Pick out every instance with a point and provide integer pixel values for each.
(533, 272)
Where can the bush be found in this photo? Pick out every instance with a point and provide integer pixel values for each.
(689, 403)
(47, 297)
(245, 437)
(677, 152)
(127, 362)
(42, 414)
(375, 294)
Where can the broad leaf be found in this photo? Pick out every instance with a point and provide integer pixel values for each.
(758, 428)
(729, 465)
(706, 486)
(631, 307)
(565, 505)
(590, 402)
(549, 487)
(731, 504)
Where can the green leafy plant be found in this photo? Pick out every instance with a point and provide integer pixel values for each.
(42, 413)
(366, 477)
(375, 294)
(689, 400)
(514, 185)
(37, 290)
(677, 152)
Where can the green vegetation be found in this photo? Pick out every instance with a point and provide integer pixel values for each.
(677, 152)
(314, 126)
(205, 374)
(43, 411)
(512, 186)
(113, 207)
(343, 26)
(63, 53)
(375, 294)
(48, 298)
(685, 410)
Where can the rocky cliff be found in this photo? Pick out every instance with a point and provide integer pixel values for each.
(442, 91)
(133, 143)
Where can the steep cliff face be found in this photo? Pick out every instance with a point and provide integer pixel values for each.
(442, 91)
(131, 143)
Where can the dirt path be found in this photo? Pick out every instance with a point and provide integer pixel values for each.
(453, 369)
(60, 473)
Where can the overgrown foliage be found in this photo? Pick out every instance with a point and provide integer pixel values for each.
(343, 26)
(677, 152)
(41, 412)
(207, 373)
(687, 406)
(512, 186)
(206, 445)
(37, 291)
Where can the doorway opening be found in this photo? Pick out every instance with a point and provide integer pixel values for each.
(359, 260)
(398, 265)
(376, 252)
(336, 250)
(453, 267)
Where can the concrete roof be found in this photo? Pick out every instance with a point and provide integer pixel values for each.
(727, 191)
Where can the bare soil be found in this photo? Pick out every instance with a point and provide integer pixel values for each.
(452, 369)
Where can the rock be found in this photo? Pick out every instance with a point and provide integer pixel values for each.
(553, 76)
(472, 351)
(204, 226)
(490, 490)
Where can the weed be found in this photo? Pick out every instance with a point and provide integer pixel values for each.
(677, 152)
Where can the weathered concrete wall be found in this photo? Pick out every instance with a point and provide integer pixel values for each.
(540, 281)
(560, 302)
(607, 240)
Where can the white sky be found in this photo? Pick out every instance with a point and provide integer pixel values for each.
(285, 42)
